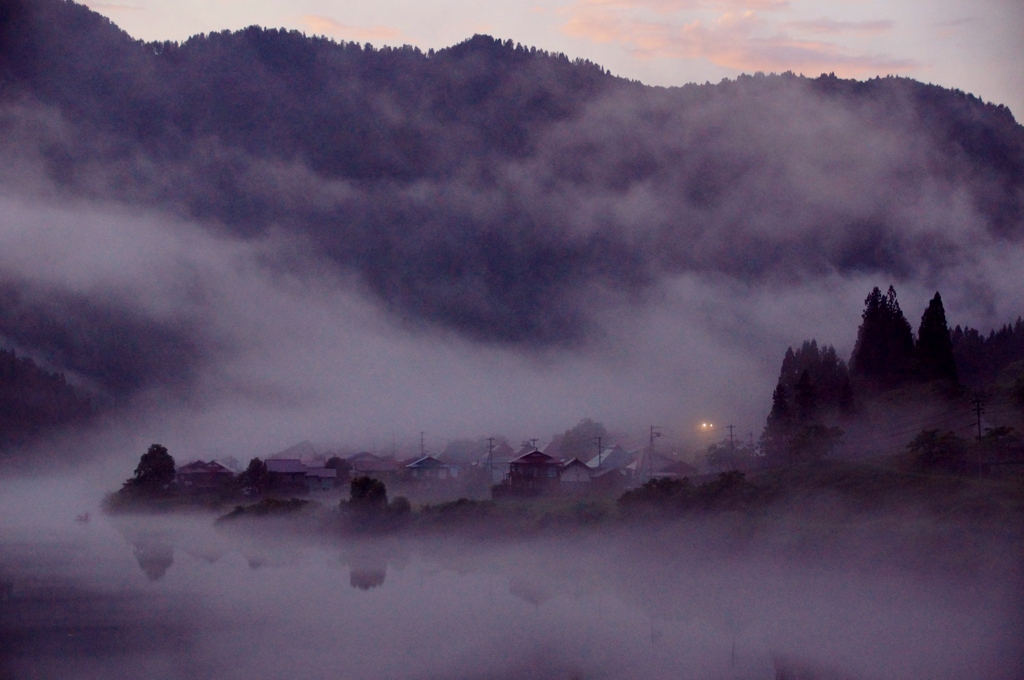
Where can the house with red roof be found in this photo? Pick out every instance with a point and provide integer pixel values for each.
(198, 477)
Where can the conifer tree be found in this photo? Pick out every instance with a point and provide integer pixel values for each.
(934, 347)
(885, 342)
(806, 398)
(779, 426)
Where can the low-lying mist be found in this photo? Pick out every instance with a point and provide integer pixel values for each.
(812, 590)
(209, 344)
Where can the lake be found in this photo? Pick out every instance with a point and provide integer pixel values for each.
(174, 597)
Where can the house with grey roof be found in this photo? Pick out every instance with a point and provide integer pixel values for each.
(574, 476)
(428, 468)
(612, 457)
(286, 474)
(321, 479)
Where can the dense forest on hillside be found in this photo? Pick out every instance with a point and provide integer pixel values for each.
(35, 402)
(981, 358)
(817, 392)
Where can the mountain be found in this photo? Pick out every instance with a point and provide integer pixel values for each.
(502, 193)
(34, 402)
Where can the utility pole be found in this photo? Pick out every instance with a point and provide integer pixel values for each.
(732, 443)
(600, 449)
(978, 410)
(422, 444)
(490, 459)
(655, 432)
(533, 443)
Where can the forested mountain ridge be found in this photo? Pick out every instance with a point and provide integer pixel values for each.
(981, 359)
(501, 193)
(35, 402)
(342, 109)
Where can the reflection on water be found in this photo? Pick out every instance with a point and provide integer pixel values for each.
(365, 578)
(154, 558)
(237, 606)
(529, 590)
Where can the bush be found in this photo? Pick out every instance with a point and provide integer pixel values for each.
(367, 492)
(268, 506)
(657, 492)
(933, 451)
(400, 506)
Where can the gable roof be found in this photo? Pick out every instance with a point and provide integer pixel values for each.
(575, 462)
(613, 457)
(426, 462)
(536, 458)
(661, 465)
(199, 467)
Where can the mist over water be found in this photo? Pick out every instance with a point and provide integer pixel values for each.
(173, 597)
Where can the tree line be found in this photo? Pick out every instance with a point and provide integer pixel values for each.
(35, 402)
(817, 389)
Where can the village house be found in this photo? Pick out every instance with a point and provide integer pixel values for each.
(428, 468)
(321, 479)
(198, 476)
(611, 458)
(609, 481)
(286, 474)
(534, 472)
(365, 464)
(653, 465)
(574, 476)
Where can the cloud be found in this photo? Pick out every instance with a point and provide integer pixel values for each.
(103, 7)
(740, 40)
(829, 26)
(947, 29)
(327, 26)
(671, 6)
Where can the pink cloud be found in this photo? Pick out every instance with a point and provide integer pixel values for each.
(327, 26)
(829, 26)
(743, 41)
(670, 6)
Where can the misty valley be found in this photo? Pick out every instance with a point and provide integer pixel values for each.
(326, 360)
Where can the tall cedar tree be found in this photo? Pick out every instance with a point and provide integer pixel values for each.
(935, 359)
(256, 478)
(779, 428)
(885, 342)
(828, 376)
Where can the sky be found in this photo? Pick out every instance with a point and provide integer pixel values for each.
(975, 47)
